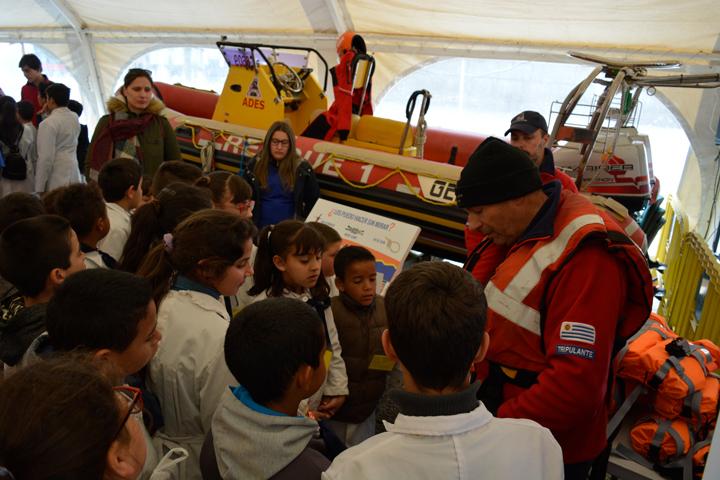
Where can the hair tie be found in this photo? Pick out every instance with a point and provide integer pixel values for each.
(168, 241)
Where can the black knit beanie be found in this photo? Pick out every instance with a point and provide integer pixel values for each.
(495, 172)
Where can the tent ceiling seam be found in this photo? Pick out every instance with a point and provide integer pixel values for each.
(86, 47)
(340, 15)
(443, 47)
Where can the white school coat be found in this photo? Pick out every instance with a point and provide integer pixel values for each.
(188, 373)
(57, 140)
(336, 382)
(114, 242)
(466, 446)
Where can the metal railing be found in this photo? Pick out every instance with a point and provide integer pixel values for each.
(691, 302)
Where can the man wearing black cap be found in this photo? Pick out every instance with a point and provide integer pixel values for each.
(529, 132)
(570, 282)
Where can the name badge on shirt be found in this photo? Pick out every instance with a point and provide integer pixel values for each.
(382, 363)
(327, 357)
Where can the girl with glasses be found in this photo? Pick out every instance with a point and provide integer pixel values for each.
(62, 419)
(284, 185)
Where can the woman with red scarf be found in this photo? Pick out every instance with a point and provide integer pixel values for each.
(134, 128)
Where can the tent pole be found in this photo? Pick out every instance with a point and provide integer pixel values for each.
(87, 51)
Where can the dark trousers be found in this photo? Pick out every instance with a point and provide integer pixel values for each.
(590, 470)
(577, 471)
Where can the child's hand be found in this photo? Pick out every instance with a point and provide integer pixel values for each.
(317, 415)
(329, 405)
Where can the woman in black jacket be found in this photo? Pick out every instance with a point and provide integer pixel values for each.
(284, 185)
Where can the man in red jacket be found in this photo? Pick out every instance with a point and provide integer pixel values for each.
(528, 132)
(32, 69)
(570, 286)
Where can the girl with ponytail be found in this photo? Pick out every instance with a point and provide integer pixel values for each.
(288, 264)
(154, 219)
(206, 256)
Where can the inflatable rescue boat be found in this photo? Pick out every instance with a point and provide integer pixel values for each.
(396, 169)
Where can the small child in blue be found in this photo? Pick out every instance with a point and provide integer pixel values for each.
(275, 348)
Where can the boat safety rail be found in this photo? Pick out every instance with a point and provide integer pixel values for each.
(207, 151)
(692, 287)
(257, 48)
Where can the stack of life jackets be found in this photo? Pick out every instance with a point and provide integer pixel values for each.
(683, 394)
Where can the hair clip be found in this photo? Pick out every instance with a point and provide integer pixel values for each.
(168, 241)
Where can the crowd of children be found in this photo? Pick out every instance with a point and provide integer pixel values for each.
(160, 335)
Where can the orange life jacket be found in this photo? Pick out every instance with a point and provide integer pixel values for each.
(676, 368)
(660, 440)
(699, 457)
(516, 292)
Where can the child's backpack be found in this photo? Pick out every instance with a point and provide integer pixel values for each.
(15, 167)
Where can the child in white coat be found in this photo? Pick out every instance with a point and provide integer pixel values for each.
(207, 256)
(288, 264)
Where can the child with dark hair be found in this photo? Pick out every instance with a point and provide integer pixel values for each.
(31, 67)
(206, 256)
(275, 349)
(57, 141)
(36, 277)
(173, 171)
(229, 192)
(63, 419)
(287, 264)
(17, 149)
(146, 186)
(85, 209)
(109, 313)
(360, 319)
(49, 200)
(121, 183)
(83, 139)
(436, 332)
(333, 242)
(19, 206)
(26, 113)
(110, 316)
(14, 207)
(159, 217)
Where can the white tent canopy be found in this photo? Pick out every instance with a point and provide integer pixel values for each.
(96, 39)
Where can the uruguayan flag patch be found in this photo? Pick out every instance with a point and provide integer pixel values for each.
(577, 332)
